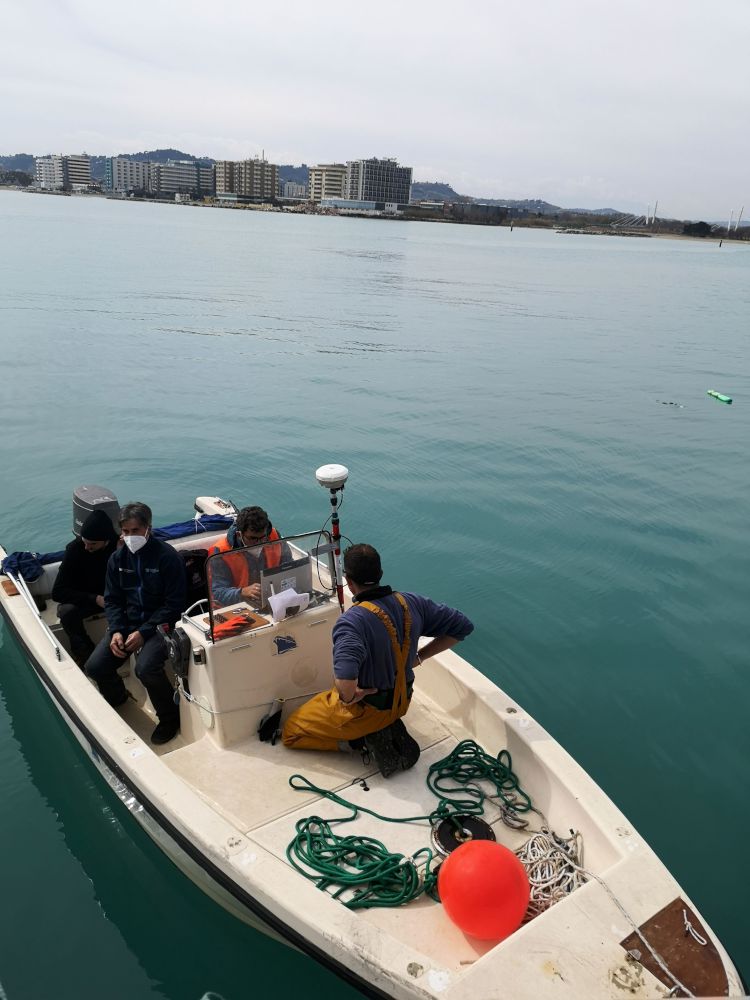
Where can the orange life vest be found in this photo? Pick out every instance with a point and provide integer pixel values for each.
(238, 565)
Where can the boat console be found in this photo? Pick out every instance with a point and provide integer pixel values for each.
(263, 635)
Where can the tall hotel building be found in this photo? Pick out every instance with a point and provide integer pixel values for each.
(327, 180)
(249, 180)
(378, 181)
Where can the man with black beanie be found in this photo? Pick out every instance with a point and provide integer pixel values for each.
(79, 587)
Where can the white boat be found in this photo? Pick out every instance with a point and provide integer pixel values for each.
(219, 802)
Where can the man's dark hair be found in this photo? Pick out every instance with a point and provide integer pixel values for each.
(136, 512)
(252, 519)
(362, 564)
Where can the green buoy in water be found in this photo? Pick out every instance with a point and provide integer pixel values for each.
(719, 396)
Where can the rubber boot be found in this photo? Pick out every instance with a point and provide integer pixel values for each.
(383, 749)
(407, 746)
(161, 693)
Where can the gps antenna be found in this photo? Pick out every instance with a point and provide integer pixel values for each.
(333, 478)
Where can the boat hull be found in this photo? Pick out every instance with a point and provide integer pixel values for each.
(575, 949)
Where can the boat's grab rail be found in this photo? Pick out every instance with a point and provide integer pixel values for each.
(22, 587)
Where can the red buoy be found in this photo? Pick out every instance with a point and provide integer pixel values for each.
(484, 889)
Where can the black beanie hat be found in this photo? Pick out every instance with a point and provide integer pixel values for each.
(98, 528)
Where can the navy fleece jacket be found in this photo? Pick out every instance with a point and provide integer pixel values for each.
(144, 590)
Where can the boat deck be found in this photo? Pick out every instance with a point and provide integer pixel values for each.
(249, 785)
(422, 923)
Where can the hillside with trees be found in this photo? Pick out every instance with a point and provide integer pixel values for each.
(297, 175)
(15, 178)
(18, 161)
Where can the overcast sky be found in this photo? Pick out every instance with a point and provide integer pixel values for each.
(585, 103)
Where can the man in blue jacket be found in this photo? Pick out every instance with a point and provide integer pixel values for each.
(145, 588)
(374, 653)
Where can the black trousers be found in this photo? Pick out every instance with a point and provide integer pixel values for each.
(72, 620)
(149, 669)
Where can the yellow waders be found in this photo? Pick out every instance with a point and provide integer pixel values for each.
(324, 721)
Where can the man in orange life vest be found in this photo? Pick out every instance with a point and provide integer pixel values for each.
(236, 577)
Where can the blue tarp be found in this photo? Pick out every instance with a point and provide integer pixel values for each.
(195, 526)
(30, 565)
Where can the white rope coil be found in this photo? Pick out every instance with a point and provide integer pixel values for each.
(553, 866)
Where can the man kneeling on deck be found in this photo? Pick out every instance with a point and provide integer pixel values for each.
(374, 652)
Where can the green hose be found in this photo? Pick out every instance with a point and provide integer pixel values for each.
(363, 865)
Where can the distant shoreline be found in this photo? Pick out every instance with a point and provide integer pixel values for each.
(637, 235)
(301, 209)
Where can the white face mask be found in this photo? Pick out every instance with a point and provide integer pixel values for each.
(135, 542)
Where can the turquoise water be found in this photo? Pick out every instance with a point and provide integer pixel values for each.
(497, 398)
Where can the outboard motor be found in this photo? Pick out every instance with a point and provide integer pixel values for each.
(87, 499)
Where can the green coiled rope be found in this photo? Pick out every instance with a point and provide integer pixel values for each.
(463, 767)
(362, 864)
(376, 876)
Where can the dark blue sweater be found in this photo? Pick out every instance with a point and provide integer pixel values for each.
(362, 648)
(144, 590)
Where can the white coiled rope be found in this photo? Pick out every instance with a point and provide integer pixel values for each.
(553, 866)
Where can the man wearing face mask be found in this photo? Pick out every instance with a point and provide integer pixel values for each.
(145, 588)
(236, 577)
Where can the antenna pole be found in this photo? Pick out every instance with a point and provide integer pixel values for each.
(333, 478)
(336, 536)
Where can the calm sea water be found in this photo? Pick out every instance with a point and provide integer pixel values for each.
(500, 399)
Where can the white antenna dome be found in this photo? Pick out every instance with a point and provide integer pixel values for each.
(332, 477)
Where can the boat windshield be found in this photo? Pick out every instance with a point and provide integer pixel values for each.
(243, 582)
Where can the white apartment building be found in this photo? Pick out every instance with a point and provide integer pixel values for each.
(49, 173)
(254, 180)
(125, 176)
(327, 180)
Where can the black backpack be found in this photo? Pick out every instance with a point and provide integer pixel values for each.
(194, 561)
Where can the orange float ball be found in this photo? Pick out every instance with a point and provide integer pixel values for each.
(484, 889)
